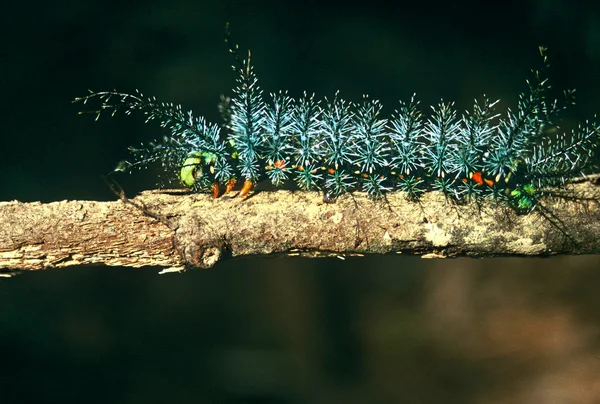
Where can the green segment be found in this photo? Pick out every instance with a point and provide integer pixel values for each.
(523, 198)
(191, 169)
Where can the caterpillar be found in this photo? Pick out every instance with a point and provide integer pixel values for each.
(336, 146)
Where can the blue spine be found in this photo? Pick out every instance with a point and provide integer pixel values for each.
(246, 130)
(337, 133)
(277, 132)
(404, 129)
(370, 148)
(441, 132)
(307, 143)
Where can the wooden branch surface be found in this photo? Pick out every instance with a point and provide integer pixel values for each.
(176, 230)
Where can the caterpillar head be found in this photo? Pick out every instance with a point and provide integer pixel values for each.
(195, 168)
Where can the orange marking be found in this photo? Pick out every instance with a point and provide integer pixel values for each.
(230, 185)
(478, 178)
(246, 188)
(215, 189)
(490, 183)
(280, 164)
(331, 171)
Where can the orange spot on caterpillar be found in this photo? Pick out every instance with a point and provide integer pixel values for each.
(490, 183)
(280, 164)
(246, 188)
(331, 171)
(478, 178)
(300, 168)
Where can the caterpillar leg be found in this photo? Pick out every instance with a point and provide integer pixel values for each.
(246, 188)
(216, 189)
(230, 185)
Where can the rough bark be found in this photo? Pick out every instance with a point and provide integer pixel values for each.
(176, 230)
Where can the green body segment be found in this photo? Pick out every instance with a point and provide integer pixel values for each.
(524, 198)
(191, 168)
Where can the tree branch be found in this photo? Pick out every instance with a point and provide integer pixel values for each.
(175, 230)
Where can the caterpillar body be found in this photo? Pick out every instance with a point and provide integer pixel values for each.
(338, 146)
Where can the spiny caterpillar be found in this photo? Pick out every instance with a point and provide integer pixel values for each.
(337, 146)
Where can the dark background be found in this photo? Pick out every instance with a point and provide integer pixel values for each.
(379, 329)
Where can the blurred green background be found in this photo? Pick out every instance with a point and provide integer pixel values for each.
(379, 329)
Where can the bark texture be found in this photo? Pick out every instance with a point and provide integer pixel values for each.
(176, 230)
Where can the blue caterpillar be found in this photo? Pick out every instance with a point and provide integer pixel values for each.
(337, 146)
